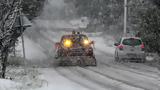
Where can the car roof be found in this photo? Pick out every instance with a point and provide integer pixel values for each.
(131, 37)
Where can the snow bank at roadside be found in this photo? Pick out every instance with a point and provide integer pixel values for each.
(8, 85)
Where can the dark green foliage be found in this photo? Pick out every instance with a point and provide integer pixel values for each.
(157, 2)
(32, 8)
(150, 29)
(105, 11)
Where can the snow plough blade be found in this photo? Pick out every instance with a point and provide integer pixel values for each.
(77, 61)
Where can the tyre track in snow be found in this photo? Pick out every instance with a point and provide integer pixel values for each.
(112, 81)
(130, 67)
(134, 83)
(56, 81)
(141, 67)
(119, 70)
(121, 66)
(96, 78)
(79, 79)
(80, 76)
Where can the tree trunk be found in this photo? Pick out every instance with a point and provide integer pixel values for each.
(4, 62)
(14, 49)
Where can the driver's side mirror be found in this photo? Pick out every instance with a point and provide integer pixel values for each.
(116, 44)
(92, 42)
(57, 44)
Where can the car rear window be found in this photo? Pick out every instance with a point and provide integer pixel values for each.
(132, 42)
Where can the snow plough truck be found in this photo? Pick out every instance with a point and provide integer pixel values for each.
(75, 49)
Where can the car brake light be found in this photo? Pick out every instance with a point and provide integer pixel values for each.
(120, 47)
(142, 47)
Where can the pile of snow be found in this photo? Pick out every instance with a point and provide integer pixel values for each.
(8, 85)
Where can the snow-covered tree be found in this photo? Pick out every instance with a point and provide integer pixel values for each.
(9, 16)
(9, 11)
(33, 8)
(150, 29)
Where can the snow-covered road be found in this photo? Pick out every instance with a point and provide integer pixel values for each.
(108, 75)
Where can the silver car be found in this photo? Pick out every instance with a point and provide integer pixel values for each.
(130, 49)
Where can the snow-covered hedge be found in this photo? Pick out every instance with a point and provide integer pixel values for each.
(16, 61)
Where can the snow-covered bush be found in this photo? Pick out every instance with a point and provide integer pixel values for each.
(16, 61)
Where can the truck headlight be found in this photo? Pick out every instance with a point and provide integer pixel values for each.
(86, 42)
(67, 43)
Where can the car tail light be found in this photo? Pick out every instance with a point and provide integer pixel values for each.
(142, 47)
(120, 47)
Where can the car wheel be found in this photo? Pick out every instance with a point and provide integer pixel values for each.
(143, 61)
(117, 59)
(94, 63)
(80, 63)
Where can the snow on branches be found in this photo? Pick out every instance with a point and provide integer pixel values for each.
(9, 11)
